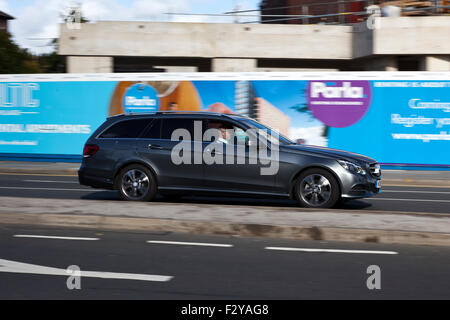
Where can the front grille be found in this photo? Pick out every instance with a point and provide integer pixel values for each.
(374, 169)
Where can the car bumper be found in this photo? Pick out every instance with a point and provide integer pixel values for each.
(87, 179)
(356, 186)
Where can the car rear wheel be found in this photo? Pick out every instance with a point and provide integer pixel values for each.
(317, 188)
(136, 183)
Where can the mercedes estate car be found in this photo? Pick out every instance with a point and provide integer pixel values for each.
(141, 155)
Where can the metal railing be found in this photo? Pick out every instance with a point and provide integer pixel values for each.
(305, 18)
(340, 10)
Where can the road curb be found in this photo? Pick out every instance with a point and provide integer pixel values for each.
(223, 228)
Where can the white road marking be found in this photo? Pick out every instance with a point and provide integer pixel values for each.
(395, 199)
(50, 181)
(53, 189)
(330, 250)
(54, 237)
(415, 191)
(192, 243)
(89, 189)
(19, 267)
(36, 174)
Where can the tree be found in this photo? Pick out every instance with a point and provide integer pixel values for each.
(13, 59)
(52, 62)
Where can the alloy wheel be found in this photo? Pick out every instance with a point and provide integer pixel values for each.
(315, 190)
(135, 184)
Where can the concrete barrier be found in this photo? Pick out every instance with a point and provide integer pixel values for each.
(254, 221)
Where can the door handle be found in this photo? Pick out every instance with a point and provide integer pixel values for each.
(154, 146)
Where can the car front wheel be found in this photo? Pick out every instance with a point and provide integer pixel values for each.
(317, 188)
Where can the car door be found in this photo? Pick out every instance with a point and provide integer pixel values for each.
(240, 168)
(116, 145)
(163, 153)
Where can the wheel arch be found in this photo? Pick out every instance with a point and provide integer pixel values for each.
(292, 193)
(123, 165)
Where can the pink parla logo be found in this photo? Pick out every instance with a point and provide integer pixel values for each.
(345, 91)
(339, 103)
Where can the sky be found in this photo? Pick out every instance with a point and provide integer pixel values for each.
(37, 21)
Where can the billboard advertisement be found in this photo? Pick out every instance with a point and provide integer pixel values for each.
(396, 119)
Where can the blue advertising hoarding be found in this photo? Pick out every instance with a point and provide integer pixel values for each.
(408, 122)
(397, 121)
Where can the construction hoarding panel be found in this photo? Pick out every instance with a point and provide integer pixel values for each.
(399, 122)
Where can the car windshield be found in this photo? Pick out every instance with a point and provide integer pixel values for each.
(255, 124)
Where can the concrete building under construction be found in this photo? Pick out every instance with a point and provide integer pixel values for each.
(295, 35)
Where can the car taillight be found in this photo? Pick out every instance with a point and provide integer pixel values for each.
(89, 150)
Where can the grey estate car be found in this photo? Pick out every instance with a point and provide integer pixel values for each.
(132, 154)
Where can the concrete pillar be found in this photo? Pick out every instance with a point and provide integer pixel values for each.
(86, 64)
(233, 65)
(435, 63)
(382, 64)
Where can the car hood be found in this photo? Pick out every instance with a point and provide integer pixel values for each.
(327, 152)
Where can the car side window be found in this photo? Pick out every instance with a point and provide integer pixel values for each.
(229, 133)
(169, 125)
(153, 131)
(126, 129)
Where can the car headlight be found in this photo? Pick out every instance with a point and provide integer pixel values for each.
(352, 167)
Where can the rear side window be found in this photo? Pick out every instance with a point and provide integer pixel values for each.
(126, 129)
(153, 131)
(169, 125)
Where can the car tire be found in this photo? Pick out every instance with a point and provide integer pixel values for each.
(317, 188)
(136, 183)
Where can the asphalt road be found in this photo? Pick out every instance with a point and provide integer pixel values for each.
(237, 268)
(214, 267)
(392, 198)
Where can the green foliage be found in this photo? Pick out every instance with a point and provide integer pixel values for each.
(52, 62)
(13, 59)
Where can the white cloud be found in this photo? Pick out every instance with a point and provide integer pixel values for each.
(37, 21)
(311, 135)
(4, 6)
(37, 24)
(136, 10)
(221, 17)
(145, 9)
(246, 16)
(190, 18)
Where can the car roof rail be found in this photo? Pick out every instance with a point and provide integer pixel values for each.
(174, 112)
(179, 112)
(116, 115)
